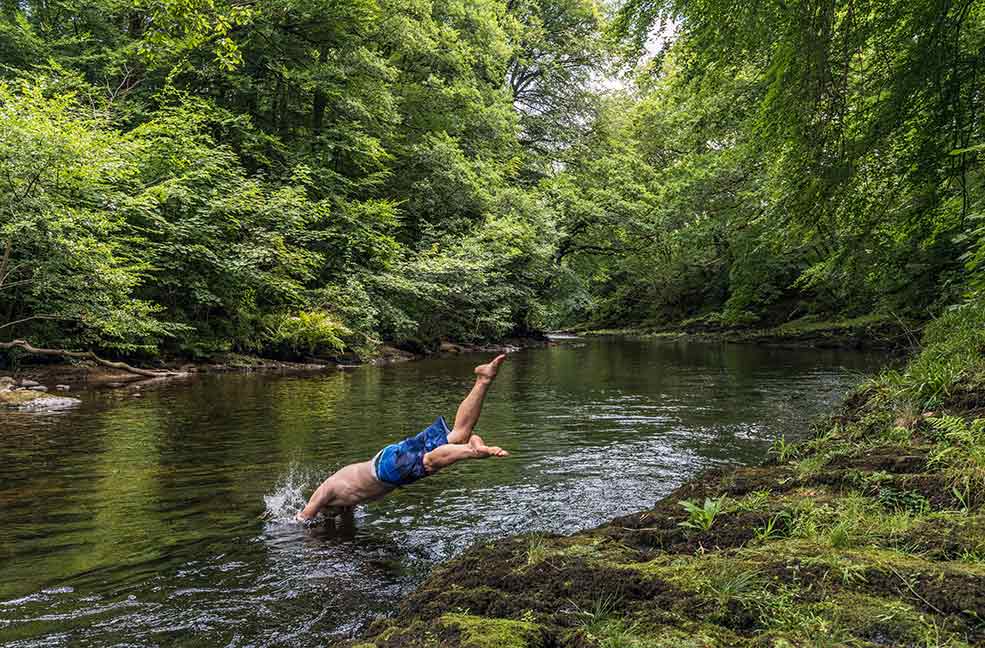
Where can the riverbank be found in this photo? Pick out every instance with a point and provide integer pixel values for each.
(870, 534)
(74, 376)
(869, 332)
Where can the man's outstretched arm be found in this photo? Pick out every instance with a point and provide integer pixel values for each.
(321, 498)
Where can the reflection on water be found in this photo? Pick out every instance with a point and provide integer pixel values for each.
(162, 516)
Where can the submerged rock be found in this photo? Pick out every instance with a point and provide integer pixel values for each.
(35, 401)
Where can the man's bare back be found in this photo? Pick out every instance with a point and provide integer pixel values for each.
(413, 458)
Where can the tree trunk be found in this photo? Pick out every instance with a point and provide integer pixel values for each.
(318, 102)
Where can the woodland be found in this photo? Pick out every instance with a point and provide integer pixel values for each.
(299, 178)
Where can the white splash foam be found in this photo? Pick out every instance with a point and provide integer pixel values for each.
(287, 498)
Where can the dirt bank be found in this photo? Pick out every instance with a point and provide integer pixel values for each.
(872, 534)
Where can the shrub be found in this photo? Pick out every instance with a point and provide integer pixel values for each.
(307, 332)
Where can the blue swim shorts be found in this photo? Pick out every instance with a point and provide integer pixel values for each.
(402, 463)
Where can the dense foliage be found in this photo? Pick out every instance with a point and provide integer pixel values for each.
(284, 176)
(787, 159)
(304, 177)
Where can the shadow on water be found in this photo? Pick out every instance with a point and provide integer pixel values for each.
(163, 516)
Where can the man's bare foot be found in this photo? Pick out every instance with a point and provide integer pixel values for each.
(482, 450)
(489, 370)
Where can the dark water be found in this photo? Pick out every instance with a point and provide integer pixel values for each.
(162, 519)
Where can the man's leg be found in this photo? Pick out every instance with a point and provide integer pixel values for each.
(446, 455)
(468, 412)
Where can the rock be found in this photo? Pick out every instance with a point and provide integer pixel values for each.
(38, 388)
(6, 383)
(28, 383)
(51, 404)
(34, 401)
(62, 388)
(113, 385)
(448, 347)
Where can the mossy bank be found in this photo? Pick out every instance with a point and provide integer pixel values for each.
(869, 332)
(870, 534)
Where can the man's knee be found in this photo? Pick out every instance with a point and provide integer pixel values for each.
(459, 434)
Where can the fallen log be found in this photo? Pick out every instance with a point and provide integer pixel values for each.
(86, 355)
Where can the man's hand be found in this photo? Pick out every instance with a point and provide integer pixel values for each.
(481, 450)
(489, 370)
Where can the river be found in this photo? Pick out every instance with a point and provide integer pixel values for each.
(161, 516)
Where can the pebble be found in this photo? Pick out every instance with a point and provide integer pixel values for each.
(62, 388)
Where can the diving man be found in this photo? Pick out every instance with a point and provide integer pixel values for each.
(403, 463)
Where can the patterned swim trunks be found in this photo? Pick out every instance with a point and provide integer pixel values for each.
(402, 463)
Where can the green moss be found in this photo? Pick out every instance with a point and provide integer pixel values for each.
(589, 548)
(688, 636)
(949, 536)
(480, 632)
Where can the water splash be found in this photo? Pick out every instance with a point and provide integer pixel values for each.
(288, 496)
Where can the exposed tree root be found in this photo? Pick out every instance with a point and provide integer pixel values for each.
(86, 355)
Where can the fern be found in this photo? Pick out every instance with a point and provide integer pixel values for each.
(960, 452)
(948, 427)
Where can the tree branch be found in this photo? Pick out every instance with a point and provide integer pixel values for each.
(28, 319)
(3, 262)
(87, 355)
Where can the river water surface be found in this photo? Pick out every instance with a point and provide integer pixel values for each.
(160, 516)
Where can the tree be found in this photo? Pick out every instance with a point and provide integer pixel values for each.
(63, 275)
(559, 53)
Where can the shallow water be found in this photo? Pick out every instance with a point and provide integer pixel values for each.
(160, 516)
